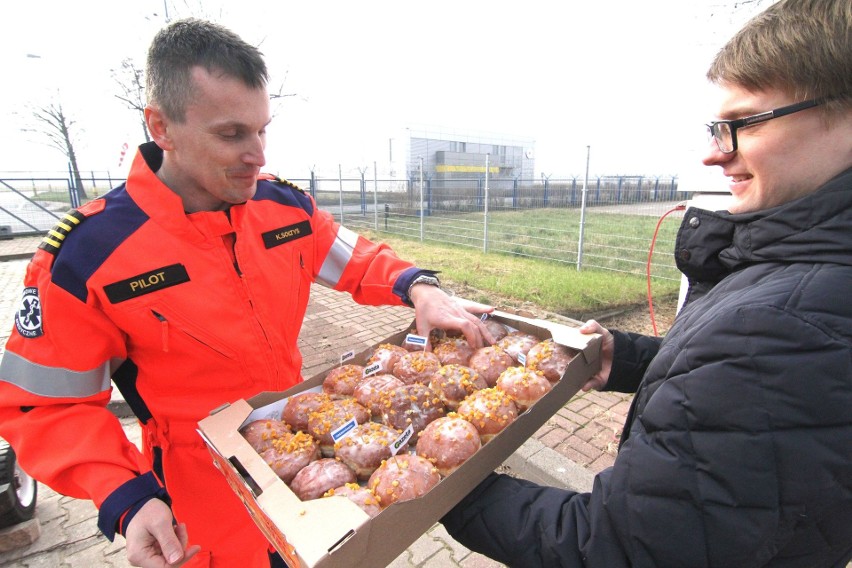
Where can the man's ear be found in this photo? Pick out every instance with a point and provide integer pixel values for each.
(158, 127)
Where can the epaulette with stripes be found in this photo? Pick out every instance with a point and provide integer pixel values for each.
(282, 181)
(56, 236)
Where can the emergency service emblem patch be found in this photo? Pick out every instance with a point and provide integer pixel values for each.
(28, 320)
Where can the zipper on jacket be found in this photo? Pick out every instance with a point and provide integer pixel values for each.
(164, 327)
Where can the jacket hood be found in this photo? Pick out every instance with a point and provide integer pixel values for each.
(814, 228)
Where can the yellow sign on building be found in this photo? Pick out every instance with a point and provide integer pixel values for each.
(466, 169)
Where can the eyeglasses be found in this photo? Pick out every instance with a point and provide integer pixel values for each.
(724, 132)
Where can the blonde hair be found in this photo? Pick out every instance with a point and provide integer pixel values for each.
(802, 47)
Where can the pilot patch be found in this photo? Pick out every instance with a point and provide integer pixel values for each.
(28, 320)
(286, 234)
(146, 283)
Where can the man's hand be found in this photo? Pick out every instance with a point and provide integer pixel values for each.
(434, 309)
(599, 380)
(153, 541)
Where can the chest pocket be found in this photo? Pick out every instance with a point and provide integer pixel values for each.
(184, 358)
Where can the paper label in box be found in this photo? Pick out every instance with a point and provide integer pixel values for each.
(418, 340)
(372, 369)
(343, 431)
(402, 440)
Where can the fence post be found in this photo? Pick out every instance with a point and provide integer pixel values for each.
(421, 200)
(313, 188)
(340, 184)
(583, 212)
(485, 210)
(73, 192)
(375, 196)
(515, 184)
(363, 192)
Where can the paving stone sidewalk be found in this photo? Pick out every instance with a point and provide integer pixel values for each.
(577, 442)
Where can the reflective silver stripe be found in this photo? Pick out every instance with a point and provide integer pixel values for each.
(338, 257)
(54, 382)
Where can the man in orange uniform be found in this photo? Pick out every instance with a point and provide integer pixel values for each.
(186, 286)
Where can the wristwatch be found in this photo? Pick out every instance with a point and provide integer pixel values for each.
(429, 279)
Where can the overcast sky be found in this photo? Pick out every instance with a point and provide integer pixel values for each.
(625, 77)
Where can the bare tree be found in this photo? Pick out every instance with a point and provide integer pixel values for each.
(56, 128)
(131, 80)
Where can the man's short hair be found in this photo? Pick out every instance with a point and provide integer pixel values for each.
(191, 42)
(802, 47)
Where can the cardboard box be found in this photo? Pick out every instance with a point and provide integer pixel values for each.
(333, 532)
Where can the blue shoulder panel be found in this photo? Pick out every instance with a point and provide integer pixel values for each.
(285, 193)
(87, 247)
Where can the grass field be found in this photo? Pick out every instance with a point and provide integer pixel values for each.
(553, 286)
(616, 241)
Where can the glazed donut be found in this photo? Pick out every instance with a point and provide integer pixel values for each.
(497, 329)
(300, 406)
(411, 405)
(453, 351)
(341, 381)
(402, 478)
(369, 392)
(489, 362)
(387, 354)
(550, 359)
(365, 447)
(454, 382)
(490, 410)
(331, 416)
(288, 455)
(448, 442)
(361, 496)
(517, 342)
(525, 386)
(261, 433)
(416, 367)
(319, 476)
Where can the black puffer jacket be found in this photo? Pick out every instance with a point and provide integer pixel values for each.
(737, 451)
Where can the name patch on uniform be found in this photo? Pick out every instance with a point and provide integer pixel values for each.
(146, 283)
(286, 234)
(28, 320)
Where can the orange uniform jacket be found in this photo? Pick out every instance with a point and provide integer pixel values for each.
(184, 312)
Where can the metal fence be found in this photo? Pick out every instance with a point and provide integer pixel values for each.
(611, 229)
(608, 226)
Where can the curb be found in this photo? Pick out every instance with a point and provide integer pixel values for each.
(16, 256)
(536, 462)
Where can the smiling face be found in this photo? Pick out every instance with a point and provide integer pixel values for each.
(782, 159)
(212, 158)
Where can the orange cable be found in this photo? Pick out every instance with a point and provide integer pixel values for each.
(678, 207)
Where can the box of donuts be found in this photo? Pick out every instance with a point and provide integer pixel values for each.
(354, 464)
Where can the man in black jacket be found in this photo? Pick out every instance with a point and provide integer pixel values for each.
(737, 450)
